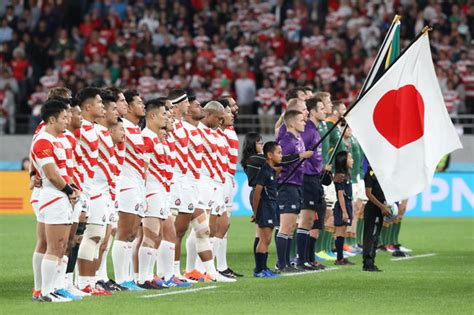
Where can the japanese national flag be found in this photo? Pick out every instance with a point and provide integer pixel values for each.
(402, 124)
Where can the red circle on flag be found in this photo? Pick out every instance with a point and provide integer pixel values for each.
(399, 116)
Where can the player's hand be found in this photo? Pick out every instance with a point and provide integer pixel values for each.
(74, 197)
(386, 210)
(339, 177)
(328, 168)
(252, 218)
(306, 154)
(345, 217)
(35, 181)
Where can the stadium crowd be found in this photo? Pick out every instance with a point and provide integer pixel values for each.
(253, 50)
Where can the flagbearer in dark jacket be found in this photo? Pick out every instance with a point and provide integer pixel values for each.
(374, 211)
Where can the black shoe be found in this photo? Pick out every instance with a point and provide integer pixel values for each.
(373, 268)
(101, 285)
(310, 267)
(318, 266)
(226, 273)
(114, 286)
(399, 253)
(238, 275)
(382, 248)
(150, 285)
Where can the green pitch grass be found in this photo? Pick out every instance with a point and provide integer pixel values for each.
(439, 284)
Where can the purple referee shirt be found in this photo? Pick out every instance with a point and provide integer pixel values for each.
(291, 144)
(311, 136)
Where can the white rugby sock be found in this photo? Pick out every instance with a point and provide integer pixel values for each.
(84, 281)
(209, 267)
(68, 281)
(165, 260)
(102, 272)
(191, 252)
(61, 276)
(177, 268)
(121, 260)
(221, 255)
(146, 258)
(48, 273)
(215, 242)
(37, 259)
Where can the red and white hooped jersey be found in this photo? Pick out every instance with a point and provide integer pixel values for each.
(155, 156)
(107, 162)
(133, 171)
(170, 149)
(76, 176)
(47, 149)
(209, 156)
(266, 97)
(233, 149)
(120, 158)
(222, 165)
(68, 149)
(87, 149)
(194, 149)
(181, 141)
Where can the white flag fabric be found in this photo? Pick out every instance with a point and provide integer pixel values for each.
(402, 124)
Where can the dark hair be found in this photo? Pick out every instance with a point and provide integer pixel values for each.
(107, 98)
(341, 162)
(155, 104)
(130, 94)
(87, 93)
(52, 108)
(74, 102)
(268, 147)
(293, 93)
(65, 100)
(248, 148)
(114, 91)
(225, 102)
(312, 103)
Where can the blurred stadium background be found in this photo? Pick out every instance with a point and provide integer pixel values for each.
(254, 50)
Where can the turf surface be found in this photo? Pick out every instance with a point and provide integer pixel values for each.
(436, 284)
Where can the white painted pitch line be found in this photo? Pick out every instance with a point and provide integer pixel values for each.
(413, 257)
(307, 272)
(178, 292)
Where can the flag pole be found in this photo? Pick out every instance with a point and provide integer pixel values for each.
(370, 76)
(423, 32)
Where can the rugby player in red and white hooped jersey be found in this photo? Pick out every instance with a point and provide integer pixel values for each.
(197, 237)
(56, 197)
(104, 181)
(156, 195)
(87, 147)
(63, 95)
(131, 196)
(227, 127)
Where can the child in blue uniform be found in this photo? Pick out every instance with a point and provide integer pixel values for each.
(264, 206)
(343, 207)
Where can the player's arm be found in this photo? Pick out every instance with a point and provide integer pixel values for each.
(257, 194)
(375, 201)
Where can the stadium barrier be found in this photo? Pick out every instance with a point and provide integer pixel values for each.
(450, 195)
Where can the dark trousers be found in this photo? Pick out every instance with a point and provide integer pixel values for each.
(373, 221)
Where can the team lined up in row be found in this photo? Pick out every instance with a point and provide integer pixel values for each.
(96, 174)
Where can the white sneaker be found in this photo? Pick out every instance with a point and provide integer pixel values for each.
(54, 298)
(75, 291)
(220, 278)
